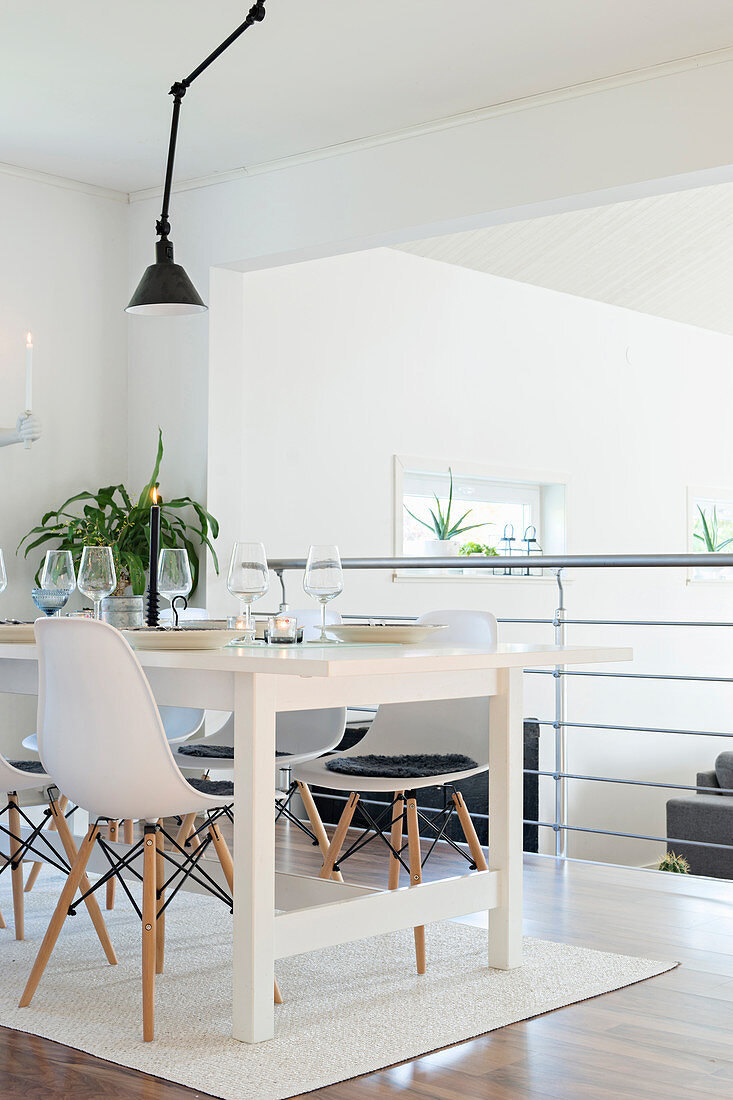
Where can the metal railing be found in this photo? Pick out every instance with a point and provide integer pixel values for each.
(559, 623)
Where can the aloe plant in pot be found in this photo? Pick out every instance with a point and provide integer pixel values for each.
(111, 516)
(443, 527)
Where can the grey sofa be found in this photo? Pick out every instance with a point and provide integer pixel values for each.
(705, 818)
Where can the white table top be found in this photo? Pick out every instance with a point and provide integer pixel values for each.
(351, 660)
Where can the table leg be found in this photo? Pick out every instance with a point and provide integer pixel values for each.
(254, 857)
(506, 802)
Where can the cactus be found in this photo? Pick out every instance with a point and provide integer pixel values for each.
(674, 863)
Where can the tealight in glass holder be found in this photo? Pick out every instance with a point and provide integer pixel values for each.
(282, 630)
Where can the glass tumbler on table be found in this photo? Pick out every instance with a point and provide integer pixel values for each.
(58, 581)
(97, 575)
(324, 578)
(248, 579)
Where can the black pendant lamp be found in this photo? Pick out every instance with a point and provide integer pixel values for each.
(165, 289)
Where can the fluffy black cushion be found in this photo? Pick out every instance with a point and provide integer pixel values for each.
(222, 788)
(34, 766)
(403, 766)
(214, 752)
(220, 752)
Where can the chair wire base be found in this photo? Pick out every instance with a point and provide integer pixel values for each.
(282, 806)
(377, 823)
(186, 865)
(29, 846)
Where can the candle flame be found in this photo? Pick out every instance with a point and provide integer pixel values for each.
(154, 495)
(29, 339)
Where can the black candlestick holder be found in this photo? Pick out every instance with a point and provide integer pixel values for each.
(152, 613)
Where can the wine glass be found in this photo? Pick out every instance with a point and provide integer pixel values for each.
(248, 578)
(97, 576)
(58, 581)
(174, 576)
(324, 578)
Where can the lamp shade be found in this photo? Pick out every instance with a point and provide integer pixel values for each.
(165, 289)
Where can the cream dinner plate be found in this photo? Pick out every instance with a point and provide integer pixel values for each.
(397, 633)
(17, 632)
(188, 638)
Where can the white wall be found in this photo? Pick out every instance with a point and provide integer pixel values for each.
(63, 277)
(349, 360)
(517, 161)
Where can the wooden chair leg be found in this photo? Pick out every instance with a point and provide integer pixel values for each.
(112, 832)
(413, 842)
(95, 913)
(2, 920)
(35, 870)
(227, 865)
(148, 938)
(185, 829)
(316, 824)
(16, 872)
(160, 899)
(128, 831)
(59, 915)
(395, 839)
(477, 853)
(334, 848)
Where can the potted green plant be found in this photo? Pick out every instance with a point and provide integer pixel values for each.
(712, 543)
(442, 526)
(111, 516)
(477, 550)
(674, 863)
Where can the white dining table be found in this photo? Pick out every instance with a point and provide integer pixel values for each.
(278, 914)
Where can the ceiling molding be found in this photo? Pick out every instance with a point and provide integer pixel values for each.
(63, 182)
(466, 118)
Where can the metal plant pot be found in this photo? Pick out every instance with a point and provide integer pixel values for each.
(123, 612)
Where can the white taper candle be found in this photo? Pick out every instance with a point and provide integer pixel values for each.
(28, 371)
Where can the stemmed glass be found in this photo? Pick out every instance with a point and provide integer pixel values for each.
(97, 575)
(58, 581)
(324, 578)
(248, 578)
(174, 576)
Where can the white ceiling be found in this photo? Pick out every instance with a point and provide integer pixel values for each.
(670, 255)
(83, 86)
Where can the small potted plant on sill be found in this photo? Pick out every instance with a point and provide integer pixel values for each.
(443, 528)
(712, 543)
(674, 863)
(477, 550)
(112, 517)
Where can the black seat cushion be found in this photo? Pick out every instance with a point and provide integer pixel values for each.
(405, 766)
(218, 752)
(213, 752)
(221, 788)
(33, 766)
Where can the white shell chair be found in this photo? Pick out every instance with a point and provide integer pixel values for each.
(179, 723)
(14, 849)
(299, 736)
(101, 738)
(405, 730)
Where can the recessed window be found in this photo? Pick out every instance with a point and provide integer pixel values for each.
(473, 512)
(710, 530)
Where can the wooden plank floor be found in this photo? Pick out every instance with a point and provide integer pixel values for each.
(670, 1037)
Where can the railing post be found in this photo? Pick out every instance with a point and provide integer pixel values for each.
(561, 791)
(284, 601)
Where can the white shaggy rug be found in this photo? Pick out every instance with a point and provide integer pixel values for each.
(347, 1011)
